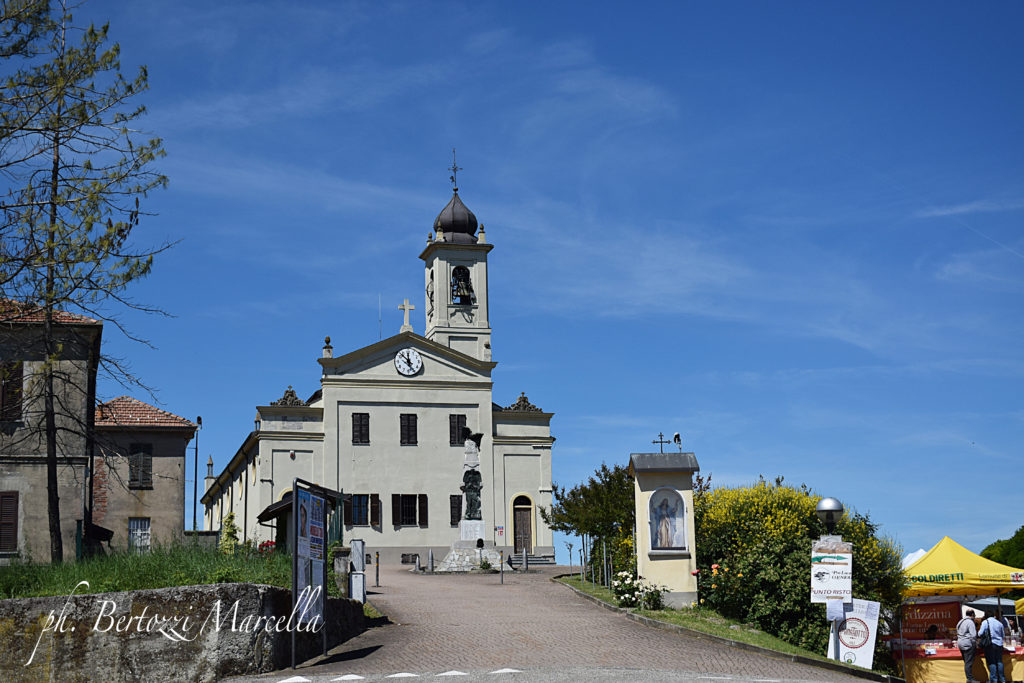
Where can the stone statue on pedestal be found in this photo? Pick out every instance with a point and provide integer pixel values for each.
(472, 481)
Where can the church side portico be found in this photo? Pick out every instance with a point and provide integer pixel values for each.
(389, 423)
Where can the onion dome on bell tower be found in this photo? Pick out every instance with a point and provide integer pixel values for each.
(456, 222)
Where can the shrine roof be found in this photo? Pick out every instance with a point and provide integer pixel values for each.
(663, 462)
(125, 411)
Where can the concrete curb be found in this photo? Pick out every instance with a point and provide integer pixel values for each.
(673, 628)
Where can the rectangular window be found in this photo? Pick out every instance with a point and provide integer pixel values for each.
(138, 534)
(11, 376)
(456, 425)
(374, 510)
(140, 466)
(360, 428)
(407, 427)
(409, 509)
(8, 521)
(456, 508)
(360, 513)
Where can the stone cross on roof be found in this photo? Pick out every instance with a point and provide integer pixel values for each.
(406, 307)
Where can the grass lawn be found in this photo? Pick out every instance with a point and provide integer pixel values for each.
(703, 620)
(162, 567)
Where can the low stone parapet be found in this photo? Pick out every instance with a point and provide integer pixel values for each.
(195, 633)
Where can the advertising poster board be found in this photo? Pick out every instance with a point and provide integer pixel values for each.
(917, 619)
(831, 571)
(857, 634)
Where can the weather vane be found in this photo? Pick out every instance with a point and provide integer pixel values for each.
(455, 171)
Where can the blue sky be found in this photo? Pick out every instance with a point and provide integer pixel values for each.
(789, 231)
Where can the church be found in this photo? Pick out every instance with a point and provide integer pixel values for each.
(388, 425)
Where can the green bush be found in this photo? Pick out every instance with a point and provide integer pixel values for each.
(754, 559)
(631, 590)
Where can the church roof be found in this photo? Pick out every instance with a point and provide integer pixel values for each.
(406, 338)
(125, 411)
(456, 222)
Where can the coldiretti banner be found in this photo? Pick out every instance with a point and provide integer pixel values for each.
(951, 569)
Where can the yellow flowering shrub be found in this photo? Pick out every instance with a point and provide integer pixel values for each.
(754, 559)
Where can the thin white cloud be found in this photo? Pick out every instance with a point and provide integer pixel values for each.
(978, 206)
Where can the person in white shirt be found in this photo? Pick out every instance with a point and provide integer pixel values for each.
(967, 642)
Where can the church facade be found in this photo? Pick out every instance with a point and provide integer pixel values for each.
(388, 427)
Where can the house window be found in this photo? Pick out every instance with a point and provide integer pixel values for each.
(375, 510)
(409, 509)
(357, 511)
(456, 424)
(10, 391)
(8, 521)
(140, 466)
(407, 427)
(138, 534)
(360, 428)
(456, 508)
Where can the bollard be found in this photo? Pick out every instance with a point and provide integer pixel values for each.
(376, 564)
(430, 562)
(502, 563)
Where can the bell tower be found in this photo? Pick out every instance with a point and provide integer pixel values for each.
(455, 278)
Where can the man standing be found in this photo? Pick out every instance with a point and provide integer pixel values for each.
(967, 640)
(993, 626)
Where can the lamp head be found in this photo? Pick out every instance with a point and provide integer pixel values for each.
(830, 511)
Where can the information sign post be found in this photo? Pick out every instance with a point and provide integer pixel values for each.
(832, 579)
(308, 528)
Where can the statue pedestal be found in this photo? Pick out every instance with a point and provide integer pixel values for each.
(471, 529)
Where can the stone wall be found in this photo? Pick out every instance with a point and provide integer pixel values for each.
(196, 633)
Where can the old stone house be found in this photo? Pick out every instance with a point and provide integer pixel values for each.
(135, 450)
(139, 481)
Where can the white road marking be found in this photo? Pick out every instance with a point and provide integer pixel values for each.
(453, 673)
(403, 675)
(295, 679)
(507, 671)
(348, 677)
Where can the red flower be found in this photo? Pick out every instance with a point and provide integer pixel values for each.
(695, 572)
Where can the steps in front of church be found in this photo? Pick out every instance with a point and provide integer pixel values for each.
(533, 560)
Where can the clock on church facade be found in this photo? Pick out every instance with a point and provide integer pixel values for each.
(388, 423)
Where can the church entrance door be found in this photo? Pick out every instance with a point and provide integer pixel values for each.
(522, 512)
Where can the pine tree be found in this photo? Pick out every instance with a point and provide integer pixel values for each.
(75, 170)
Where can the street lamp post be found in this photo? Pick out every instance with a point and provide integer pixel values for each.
(830, 511)
(195, 470)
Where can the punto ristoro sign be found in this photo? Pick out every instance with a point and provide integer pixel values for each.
(831, 571)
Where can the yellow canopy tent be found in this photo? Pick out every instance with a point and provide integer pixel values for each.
(951, 569)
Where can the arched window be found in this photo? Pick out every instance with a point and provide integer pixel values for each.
(462, 288)
(668, 520)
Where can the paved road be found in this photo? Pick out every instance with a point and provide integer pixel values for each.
(471, 624)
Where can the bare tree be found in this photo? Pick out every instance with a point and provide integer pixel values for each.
(74, 169)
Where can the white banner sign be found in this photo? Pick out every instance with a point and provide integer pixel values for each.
(857, 634)
(831, 571)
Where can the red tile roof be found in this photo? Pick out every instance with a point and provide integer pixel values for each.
(20, 312)
(125, 411)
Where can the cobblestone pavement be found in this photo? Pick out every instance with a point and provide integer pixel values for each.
(472, 623)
